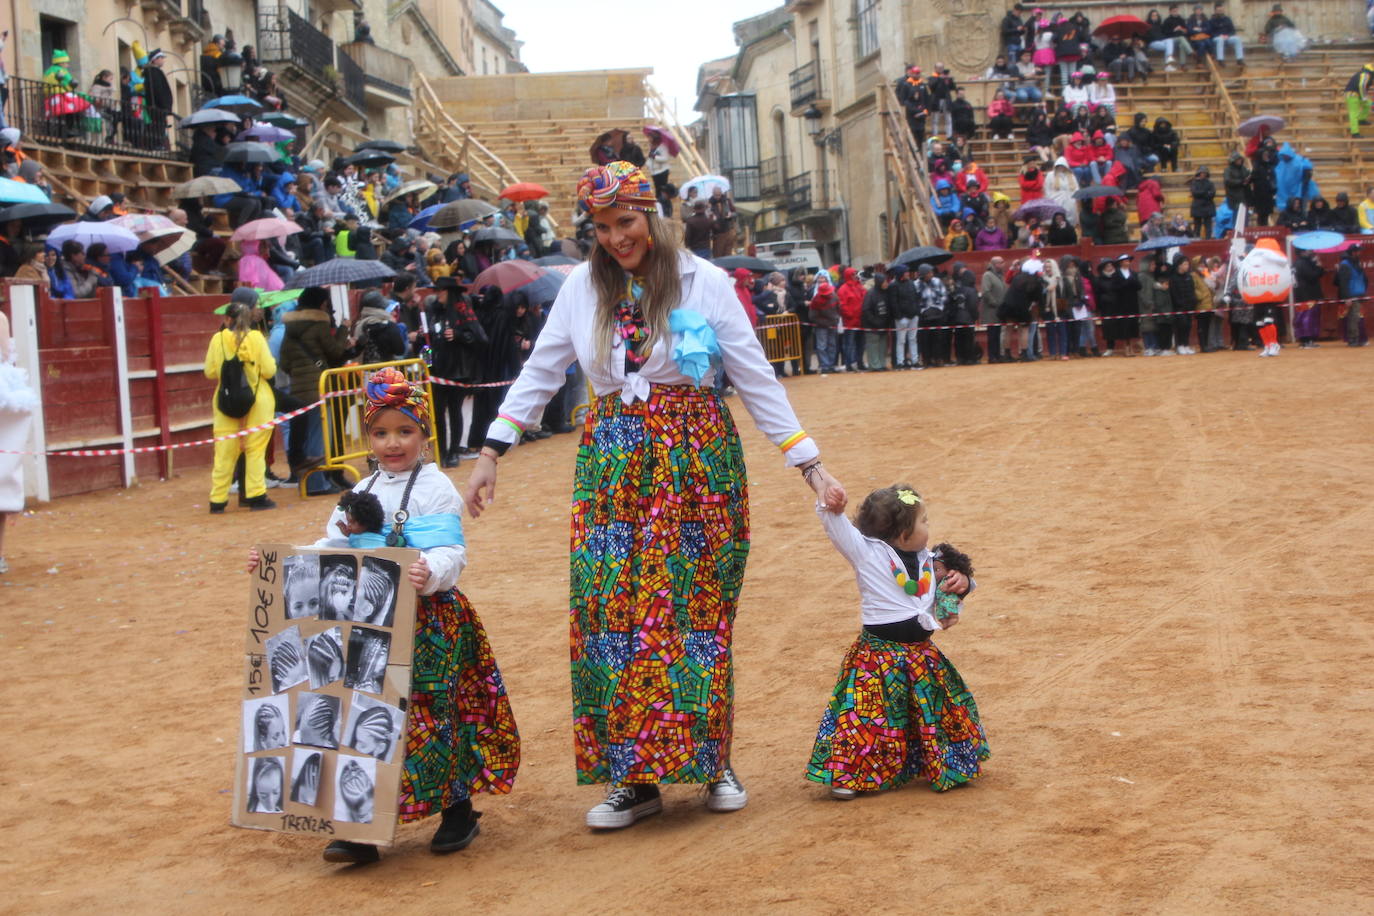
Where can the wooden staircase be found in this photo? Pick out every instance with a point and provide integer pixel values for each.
(907, 166)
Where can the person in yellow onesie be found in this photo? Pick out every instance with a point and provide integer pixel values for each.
(239, 336)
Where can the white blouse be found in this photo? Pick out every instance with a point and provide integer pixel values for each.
(433, 494)
(568, 336)
(881, 599)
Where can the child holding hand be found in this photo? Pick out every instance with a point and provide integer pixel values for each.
(460, 735)
(899, 710)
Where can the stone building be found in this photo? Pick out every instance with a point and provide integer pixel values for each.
(793, 120)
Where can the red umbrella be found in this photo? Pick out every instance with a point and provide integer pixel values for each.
(1122, 27)
(524, 190)
(509, 275)
(664, 136)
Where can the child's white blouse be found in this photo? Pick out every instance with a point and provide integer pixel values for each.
(569, 335)
(881, 599)
(433, 494)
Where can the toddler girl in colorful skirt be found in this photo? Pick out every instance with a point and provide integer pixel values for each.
(460, 734)
(899, 711)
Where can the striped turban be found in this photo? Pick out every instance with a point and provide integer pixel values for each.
(616, 184)
(389, 388)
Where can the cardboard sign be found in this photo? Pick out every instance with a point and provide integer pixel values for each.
(325, 690)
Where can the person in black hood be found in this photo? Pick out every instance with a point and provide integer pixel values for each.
(1143, 137)
(1263, 185)
(457, 341)
(796, 304)
(1165, 144)
(1204, 208)
(498, 361)
(1342, 218)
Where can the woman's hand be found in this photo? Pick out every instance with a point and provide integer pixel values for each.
(253, 559)
(949, 621)
(480, 490)
(418, 573)
(828, 490)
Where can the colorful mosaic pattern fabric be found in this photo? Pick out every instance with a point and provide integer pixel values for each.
(899, 712)
(660, 536)
(460, 734)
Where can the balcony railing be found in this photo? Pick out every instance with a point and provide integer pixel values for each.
(286, 38)
(797, 192)
(744, 182)
(770, 177)
(805, 84)
(383, 69)
(77, 120)
(354, 91)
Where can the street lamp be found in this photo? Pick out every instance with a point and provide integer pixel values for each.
(230, 64)
(813, 121)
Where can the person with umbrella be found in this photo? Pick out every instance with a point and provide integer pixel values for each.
(659, 526)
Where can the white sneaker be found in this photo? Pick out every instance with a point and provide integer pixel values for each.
(1170, 68)
(1264, 351)
(624, 805)
(726, 793)
(1149, 352)
(840, 794)
(1166, 352)
(1108, 353)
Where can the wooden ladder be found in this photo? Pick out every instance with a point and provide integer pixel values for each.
(907, 166)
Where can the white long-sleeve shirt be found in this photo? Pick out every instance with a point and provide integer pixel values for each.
(433, 494)
(881, 599)
(568, 336)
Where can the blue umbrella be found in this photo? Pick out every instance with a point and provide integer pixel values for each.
(234, 103)
(115, 238)
(21, 192)
(1316, 241)
(421, 219)
(1165, 241)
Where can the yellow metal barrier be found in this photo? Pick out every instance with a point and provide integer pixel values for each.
(341, 416)
(781, 337)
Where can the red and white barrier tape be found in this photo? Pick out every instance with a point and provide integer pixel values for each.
(1094, 316)
(275, 421)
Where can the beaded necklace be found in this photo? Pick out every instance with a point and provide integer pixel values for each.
(917, 587)
(631, 325)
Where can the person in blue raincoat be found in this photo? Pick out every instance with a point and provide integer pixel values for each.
(946, 202)
(1294, 177)
(122, 274)
(284, 193)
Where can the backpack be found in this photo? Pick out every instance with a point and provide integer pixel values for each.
(234, 398)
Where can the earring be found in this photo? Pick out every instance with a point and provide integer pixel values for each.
(651, 243)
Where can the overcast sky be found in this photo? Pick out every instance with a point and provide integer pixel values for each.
(564, 35)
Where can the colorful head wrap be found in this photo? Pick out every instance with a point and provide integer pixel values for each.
(390, 389)
(616, 184)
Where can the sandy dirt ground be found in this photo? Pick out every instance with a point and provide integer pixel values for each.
(1171, 646)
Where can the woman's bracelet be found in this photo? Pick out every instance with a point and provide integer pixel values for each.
(490, 453)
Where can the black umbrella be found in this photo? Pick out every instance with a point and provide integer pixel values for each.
(556, 260)
(758, 265)
(247, 152)
(385, 146)
(494, 234)
(37, 217)
(455, 213)
(1097, 190)
(370, 158)
(209, 116)
(923, 254)
(341, 270)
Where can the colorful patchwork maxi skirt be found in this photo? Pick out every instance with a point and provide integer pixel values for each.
(660, 535)
(460, 733)
(899, 712)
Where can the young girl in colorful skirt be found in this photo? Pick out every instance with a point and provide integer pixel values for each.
(899, 711)
(460, 734)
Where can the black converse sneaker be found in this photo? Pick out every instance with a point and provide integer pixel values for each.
(624, 805)
(457, 829)
(350, 853)
(726, 793)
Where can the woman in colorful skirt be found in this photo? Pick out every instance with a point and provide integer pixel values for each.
(899, 711)
(460, 735)
(660, 519)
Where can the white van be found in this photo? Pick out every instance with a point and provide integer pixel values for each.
(786, 256)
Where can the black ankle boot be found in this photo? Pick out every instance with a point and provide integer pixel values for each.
(459, 828)
(350, 853)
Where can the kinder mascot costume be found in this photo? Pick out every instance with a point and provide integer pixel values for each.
(1265, 279)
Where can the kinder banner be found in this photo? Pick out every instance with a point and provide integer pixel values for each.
(326, 683)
